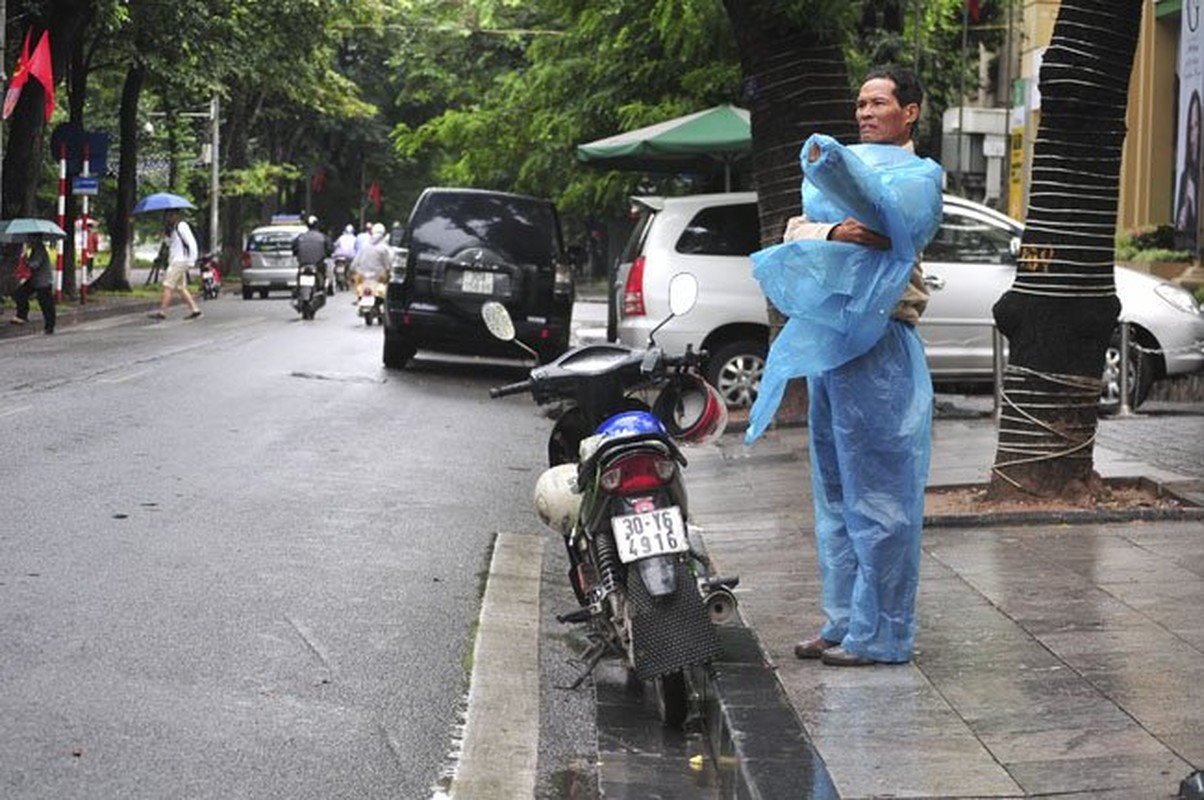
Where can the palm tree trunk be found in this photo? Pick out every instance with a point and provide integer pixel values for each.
(1062, 308)
(796, 83)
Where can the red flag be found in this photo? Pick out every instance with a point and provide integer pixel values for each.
(42, 70)
(20, 75)
(374, 195)
(972, 5)
(317, 184)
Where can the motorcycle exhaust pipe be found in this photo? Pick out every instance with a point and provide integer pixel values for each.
(721, 604)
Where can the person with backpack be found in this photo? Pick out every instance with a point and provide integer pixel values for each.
(182, 252)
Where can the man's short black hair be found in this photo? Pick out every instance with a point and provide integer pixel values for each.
(907, 86)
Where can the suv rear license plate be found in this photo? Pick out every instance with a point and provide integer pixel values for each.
(653, 533)
(472, 282)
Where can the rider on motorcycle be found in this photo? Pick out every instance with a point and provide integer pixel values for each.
(375, 259)
(313, 247)
(344, 252)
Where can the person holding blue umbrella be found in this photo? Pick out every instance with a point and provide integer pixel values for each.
(182, 252)
(40, 283)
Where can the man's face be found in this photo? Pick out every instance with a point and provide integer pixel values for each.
(880, 118)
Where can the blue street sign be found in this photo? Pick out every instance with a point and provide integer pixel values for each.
(81, 185)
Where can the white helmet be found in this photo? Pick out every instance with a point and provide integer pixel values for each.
(556, 499)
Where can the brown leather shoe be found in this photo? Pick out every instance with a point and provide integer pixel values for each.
(813, 648)
(839, 657)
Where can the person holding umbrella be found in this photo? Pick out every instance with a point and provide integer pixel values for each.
(40, 283)
(182, 251)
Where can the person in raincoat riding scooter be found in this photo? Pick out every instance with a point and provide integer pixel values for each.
(848, 277)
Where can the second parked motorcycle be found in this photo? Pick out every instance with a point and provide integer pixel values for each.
(211, 276)
(615, 492)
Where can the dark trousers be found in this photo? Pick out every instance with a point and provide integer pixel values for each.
(45, 297)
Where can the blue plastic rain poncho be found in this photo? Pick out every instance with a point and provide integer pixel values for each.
(870, 396)
(839, 296)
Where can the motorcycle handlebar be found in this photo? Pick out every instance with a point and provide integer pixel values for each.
(509, 389)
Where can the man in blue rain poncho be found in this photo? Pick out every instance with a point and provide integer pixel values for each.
(848, 278)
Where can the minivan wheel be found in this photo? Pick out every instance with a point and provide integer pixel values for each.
(735, 369)
(397, 352)
(1142, 367)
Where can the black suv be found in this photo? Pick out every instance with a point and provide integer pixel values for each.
(463, 247)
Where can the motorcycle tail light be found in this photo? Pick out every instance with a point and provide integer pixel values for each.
(633, 290)
(637, 472)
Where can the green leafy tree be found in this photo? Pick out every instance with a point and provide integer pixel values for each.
(563, 72)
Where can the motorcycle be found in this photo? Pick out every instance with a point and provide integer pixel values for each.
(615, 492)
(211, 276)
(341, 266)
(309, 295)
(370, 303)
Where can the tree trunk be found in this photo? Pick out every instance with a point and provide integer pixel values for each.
(1062, 308)
(116, 277)
(796, 83)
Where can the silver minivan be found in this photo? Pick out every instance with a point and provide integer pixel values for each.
(268, 263)
(969, 264)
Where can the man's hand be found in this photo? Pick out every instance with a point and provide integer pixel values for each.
(854, 232)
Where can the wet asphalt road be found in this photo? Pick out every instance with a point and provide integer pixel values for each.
(240, 560)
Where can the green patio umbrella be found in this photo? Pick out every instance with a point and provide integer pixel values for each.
(717, 135)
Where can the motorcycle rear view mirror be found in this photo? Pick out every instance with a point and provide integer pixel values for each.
(683, 294)
(498, 321)
(501, 325)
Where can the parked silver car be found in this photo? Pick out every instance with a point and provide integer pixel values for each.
(967, 267)
(268, 263)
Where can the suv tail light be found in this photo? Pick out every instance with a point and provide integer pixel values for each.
(633, 290)
(245, 260)
(638, 472)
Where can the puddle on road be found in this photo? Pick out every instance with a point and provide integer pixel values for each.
(442, 788)
(338, 377)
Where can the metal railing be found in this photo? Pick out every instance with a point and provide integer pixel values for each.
(999, 360)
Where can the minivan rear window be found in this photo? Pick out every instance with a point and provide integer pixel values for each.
(521, 230)
(732, 230)
(635, 241)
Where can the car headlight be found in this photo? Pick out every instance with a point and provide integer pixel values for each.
(1178, 297)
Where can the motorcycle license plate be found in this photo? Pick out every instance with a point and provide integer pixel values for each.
(367, 301)
(473, 282)
(307, 280)
(653, 533)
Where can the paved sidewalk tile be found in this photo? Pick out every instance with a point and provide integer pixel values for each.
(1050, 659)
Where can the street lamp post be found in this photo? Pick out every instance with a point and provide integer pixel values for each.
(212, 114)
(215, 231)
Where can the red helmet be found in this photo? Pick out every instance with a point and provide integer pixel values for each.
(693, 411)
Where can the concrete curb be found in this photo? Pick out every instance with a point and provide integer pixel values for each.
(757, 729)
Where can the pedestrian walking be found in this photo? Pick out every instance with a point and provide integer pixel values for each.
(33, 269)
(181, 253)
(870, 409)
